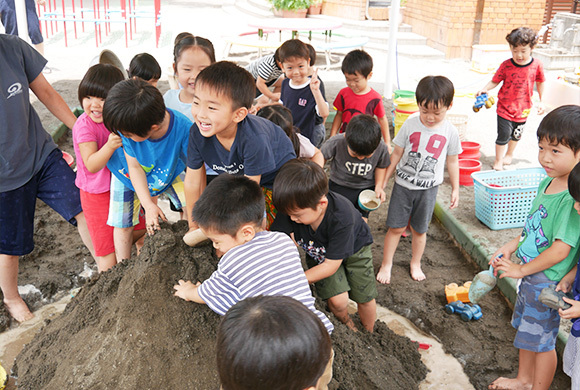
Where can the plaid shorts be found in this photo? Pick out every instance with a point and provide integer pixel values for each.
(124, 206)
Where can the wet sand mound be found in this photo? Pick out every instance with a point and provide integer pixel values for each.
(126, 330)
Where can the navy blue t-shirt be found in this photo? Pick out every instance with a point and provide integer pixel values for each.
(260, 148)
(301, 103)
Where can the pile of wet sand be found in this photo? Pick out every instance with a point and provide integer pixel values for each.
(125, 329)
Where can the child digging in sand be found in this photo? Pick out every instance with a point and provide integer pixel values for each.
(421, 147)
(547, 248)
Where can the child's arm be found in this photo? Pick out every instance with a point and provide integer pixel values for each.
(95, 159)
(571, 312)
(318, 158)
(323, 110)
(380, 182)
(385, 131)
(188, 291)
(489, 86)
(323, 270)
(139, 181)
(194, 184)
(557, 252)
(52, 100)
(567, 281)
(540, 87)
(261, 85)
(453, 169)
(395, 158)
(506, 250)
(336, 123)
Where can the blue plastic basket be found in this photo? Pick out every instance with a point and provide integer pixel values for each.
(503, 198)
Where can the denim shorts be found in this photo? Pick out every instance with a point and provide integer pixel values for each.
(55, 185)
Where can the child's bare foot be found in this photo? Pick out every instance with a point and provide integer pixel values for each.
(507, 160)
(498, 166)
(502, 383)
(18, 309)
(416, 273)
(384, 275)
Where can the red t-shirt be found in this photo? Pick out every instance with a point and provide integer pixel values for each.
(351, 104)
(515, 95)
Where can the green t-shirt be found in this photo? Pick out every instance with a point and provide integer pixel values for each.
(552, 217)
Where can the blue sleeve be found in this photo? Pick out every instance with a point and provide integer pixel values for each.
(194, 158)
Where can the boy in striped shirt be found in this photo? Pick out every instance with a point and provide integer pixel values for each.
(230, 213)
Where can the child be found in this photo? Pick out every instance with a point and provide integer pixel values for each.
(31, 165)
(421, 147)
(255, 262)
(515, 95)
(273, 342)
(267, 71)
(571, 356)
(229, 140)
(94, 145)
(359, 160)
(145, 67)
(359, 97)
(336, 239)
(302, 94)
(282, 117)
(155, 141)
(547, 247)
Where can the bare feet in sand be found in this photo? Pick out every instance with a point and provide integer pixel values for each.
(18, 309)
(498, 167)
(502, 383)
(416, 273)
(507, 160)
(384, 275)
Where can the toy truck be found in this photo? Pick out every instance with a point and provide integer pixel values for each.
(483, 100)
(466, 311)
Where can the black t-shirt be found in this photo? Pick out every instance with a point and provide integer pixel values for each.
(341, 233)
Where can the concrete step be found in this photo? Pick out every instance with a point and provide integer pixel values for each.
(382, 37)
(365, 25)
(253, 8)
(261, 4)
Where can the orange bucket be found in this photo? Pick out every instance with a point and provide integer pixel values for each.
(470, 150)
(466, 168)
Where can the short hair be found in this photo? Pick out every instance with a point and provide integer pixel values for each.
(98, 81)
(271, 342)
(562, 126)
(229, 202)
(282, 116)
(574, 182)
(230, 81)
(363, 134)
(357, 61)
(293, 48)
(435, 90)
(184, 41)
(144, 66)
(522, 36)
(311, 53)
(133, 107)
(299, 184)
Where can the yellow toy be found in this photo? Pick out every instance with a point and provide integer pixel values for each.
(453, 292)
(3, 378)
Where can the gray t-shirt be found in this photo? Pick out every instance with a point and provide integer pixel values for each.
(171, 99)
(423, 161)
(349, 171)
(24, 144)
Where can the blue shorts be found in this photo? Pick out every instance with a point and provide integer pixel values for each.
(8, 17)
(536, 324)
(55, 185)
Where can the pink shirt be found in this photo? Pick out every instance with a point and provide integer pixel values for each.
(85, 130)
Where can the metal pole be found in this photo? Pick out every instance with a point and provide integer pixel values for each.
(392, 54)
(21, 21)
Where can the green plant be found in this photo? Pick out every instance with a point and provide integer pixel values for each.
(291, 5)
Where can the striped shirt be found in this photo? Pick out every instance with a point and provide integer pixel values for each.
(266, 68)
(269, 264)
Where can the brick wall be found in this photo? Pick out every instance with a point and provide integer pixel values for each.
(348, 9)
(449, 24)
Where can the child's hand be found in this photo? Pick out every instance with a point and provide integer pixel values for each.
(390, 148)
(185, 290)
(114, 142)
(481, 92)
(275, 97)
(571, 312)
(381, 194)
(509, 269)
(152, 215)
(314, 82)
(564, 285)
(541, 108)
(454, 199)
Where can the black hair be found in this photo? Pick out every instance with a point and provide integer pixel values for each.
(357, 61)
(311, 53)
(574, 182)
(293, 48)
(522, 36)
(271, 342)
(435, 90)
(144, 66)
(562, 126)
(231, 81)
(229, 202)
(185, 41)
(363, 134)
(98, 81)
(133, 107)
(299, 184)
(282, 116)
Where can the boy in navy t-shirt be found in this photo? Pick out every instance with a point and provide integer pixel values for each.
(229, 140)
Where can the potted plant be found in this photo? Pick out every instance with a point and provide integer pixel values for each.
(290, 8)
(315, 7)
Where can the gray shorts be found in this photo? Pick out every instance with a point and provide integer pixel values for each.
(415, 206)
